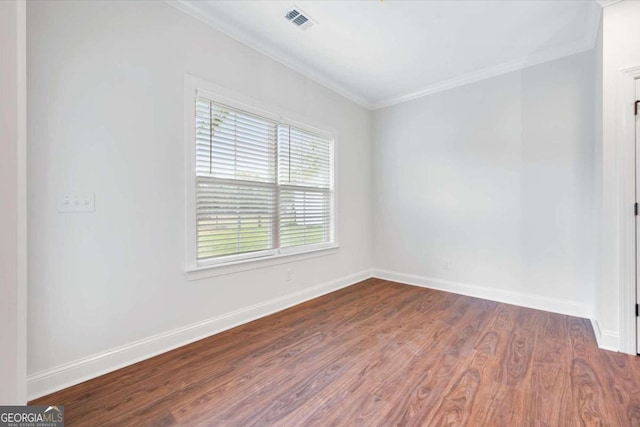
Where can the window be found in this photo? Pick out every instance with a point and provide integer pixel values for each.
(263, 187)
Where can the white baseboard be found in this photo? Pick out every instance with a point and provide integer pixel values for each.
(554, 305)
(607, 340)
(54, 379)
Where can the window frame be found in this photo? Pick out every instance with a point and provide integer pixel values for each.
(196, 269)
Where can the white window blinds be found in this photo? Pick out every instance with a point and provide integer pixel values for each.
(260, 185)
(304, 174)
(235, 181)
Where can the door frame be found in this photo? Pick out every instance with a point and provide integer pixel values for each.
(625, 149)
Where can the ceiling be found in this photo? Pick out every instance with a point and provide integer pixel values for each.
(379, 53)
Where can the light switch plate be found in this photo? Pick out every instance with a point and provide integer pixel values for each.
(76, 203)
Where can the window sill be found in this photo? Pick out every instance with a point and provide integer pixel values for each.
(215, 270)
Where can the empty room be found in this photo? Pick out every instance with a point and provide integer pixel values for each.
(319, 213)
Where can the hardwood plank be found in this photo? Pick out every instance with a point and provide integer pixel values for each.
(588, 394)
(550, 393)
(376, 353)
(455, 407)
(516, 359)
(621, 375)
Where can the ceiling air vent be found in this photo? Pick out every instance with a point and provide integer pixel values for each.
(299, 18)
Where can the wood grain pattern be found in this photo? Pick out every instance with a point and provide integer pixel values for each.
(376, 353)
(455, 407)
(587, 393)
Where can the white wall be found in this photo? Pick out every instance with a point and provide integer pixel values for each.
(496, 177)
(621, 50)
(106, 116)
(12, 333)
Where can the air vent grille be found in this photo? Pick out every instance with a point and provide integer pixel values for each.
(299, 18)
(292, 14)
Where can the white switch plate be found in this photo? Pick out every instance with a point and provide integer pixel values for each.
(77, 203)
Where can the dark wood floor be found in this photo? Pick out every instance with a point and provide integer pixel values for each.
(377, 353)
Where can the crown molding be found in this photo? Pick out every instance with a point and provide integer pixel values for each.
(605, 3)
(254, 43)
(507, 67)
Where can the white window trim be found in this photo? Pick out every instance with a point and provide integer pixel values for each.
(246, 261)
